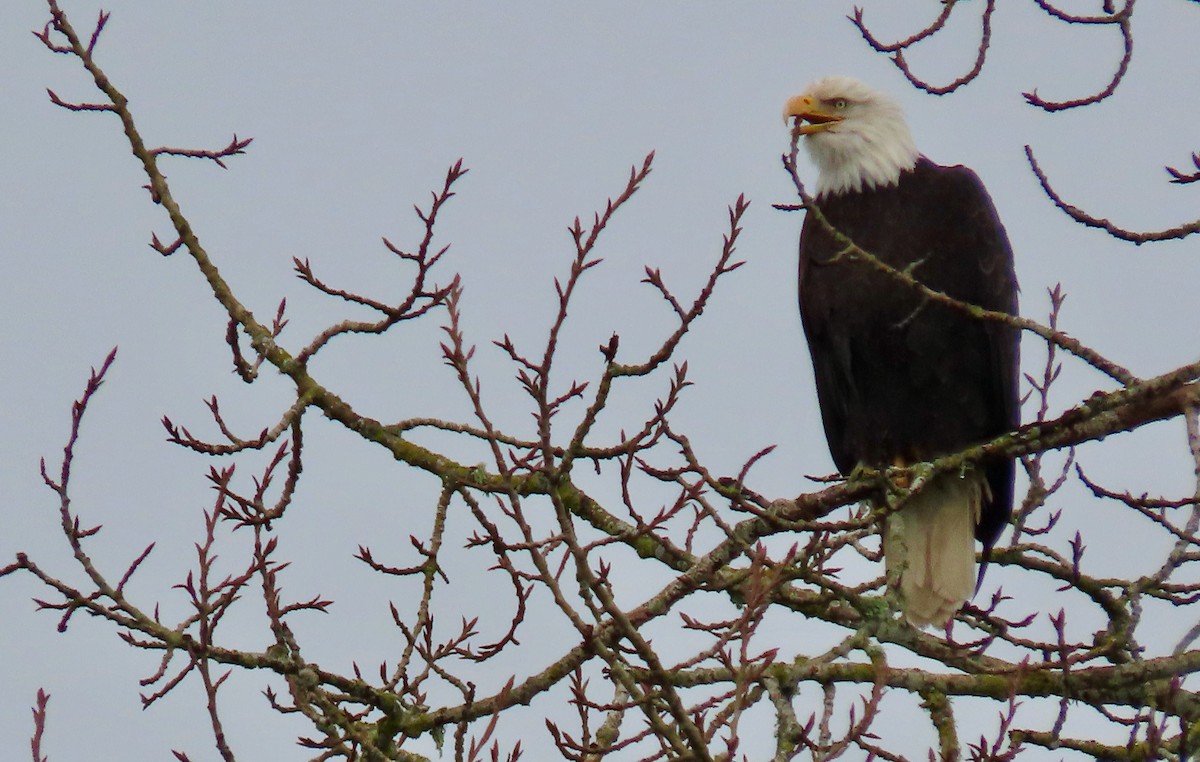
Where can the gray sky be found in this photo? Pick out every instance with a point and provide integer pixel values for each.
(356, 113)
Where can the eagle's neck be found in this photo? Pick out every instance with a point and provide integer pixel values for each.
(862, 159)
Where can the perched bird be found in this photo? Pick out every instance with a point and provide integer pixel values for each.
(902, 378)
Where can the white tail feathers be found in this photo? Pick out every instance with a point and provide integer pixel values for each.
(930, 544)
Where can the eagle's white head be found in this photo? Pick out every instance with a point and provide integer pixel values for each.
(856, 135)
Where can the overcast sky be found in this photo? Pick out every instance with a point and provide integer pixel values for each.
(356, 111)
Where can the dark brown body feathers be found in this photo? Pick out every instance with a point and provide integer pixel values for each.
(900, 378)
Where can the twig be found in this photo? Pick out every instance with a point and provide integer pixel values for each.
(1083, 218)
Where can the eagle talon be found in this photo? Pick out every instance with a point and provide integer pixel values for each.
(862, 471)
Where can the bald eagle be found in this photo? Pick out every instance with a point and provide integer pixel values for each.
(901, 379)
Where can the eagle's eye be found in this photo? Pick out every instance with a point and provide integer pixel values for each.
(839, 104)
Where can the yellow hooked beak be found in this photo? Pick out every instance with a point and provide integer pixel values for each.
(809, 115)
